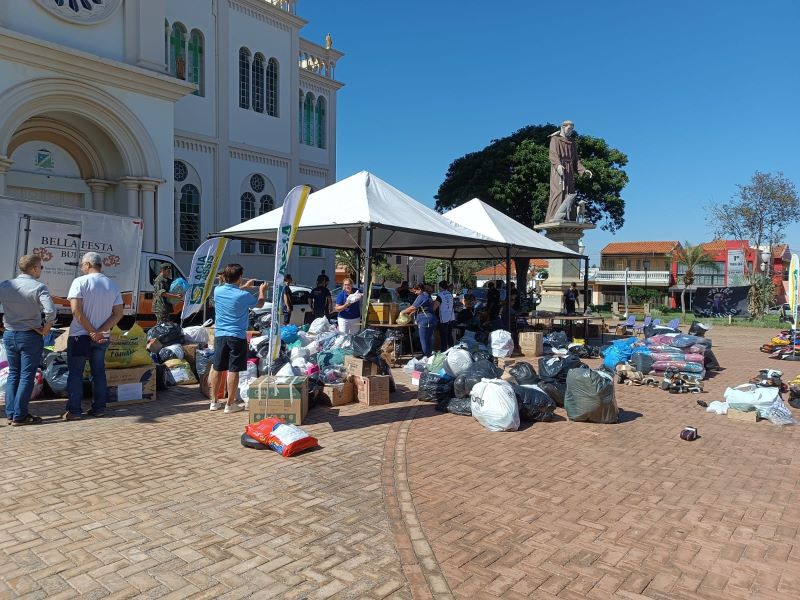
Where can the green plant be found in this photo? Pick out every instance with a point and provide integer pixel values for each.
(692, 257)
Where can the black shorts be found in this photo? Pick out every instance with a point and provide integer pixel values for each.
(230, 354)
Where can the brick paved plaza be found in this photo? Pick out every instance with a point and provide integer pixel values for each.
(161, 501)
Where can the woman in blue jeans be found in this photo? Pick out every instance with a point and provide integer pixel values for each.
(426, 319)
(24, 301)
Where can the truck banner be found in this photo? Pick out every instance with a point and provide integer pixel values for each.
(205, 264)
(293, 207)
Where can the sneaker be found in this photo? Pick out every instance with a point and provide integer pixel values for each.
(67, 416)
(233, 408)
(216, 406)
(96, 414)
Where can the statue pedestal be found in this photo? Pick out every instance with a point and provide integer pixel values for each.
(562, 271)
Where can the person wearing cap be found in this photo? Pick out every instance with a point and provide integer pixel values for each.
(96, 305)
(24, 300)
(161, 293)
(423, 309)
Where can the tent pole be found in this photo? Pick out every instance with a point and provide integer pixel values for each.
(508, 289)
(367, 272)
(586, 297)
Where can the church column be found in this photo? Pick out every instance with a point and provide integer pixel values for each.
(131, 195)
(98, 187)
(149, 189)
(5, 165)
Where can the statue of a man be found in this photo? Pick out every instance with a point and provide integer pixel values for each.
(564, 164)
(328, 42)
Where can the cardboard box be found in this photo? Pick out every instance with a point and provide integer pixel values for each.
(210, 331)
(282, 397)
(383, 312)
(738, 415)
(137, 384)
(153, 345)
(60, 344)
(360, 367)
(339, 394)
(372, 391)
(531, 343)
(222, 384)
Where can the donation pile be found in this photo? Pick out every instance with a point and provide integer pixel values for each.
(760, 398)
(784, 346)
(466, 380)
(675, 361)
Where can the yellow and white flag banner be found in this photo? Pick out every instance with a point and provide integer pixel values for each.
(794, 287)
(293, 207)
(205, 264)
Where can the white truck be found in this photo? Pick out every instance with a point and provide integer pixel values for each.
(61, 235)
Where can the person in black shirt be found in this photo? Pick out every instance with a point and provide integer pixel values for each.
(466, 317)
(492, 301)
(320, 300)
(571, 299)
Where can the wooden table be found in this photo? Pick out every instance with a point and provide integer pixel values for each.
(408, 327)
(571, 319)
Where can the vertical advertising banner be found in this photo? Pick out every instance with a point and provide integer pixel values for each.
(293, 207)
(736, 268)
(794, 289)
(205, 264)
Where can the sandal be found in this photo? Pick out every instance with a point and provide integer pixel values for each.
(29, 420)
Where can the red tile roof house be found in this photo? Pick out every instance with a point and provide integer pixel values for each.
(498, 271)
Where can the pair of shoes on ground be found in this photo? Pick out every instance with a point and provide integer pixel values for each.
(68, 416)
(29, 420)
(229, 408)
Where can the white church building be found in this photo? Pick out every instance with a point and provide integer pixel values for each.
(192, 114)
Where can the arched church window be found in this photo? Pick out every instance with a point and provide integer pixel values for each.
(272, 87)
(257, 198)
(300, 118)
(248, 212)
(189, 238)
(196, 70)
(244, 78)
(258, 82)
(321, 124)
(308, 119)
(177, 51)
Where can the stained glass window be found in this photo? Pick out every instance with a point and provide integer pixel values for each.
(181, 172)
(189, 218)
(196, 61)
(76, 5)
(257, 183)
(265, 204)
(177, 51)
(272, 87)
(244, 78)
(308, 119)
(321, 137)
(248, 212)
(258, 82)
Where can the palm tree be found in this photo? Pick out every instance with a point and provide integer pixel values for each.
(692, 257)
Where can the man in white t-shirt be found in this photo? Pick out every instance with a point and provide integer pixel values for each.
(446, 315)
(96, 307)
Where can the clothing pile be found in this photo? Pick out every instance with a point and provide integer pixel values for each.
(784, 346)
(762, 395)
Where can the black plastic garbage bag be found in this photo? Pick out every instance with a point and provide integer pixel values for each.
(642, 362)
(480, 355)
(697, 328)
(710, 362)
(166, 333)
(433, 388)
(652, 330)
(482, 369)
(457, 406)
(558, 339)
(556, 367)
(523, 373)
(590, 397)
(534, 403)
(56, 372)
(555, 390)
(367, 343)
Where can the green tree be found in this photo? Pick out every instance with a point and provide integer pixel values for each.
(351, 259)
(759, 212)
(461, 273)
(691, 257)
(512, 174)
(387, 272)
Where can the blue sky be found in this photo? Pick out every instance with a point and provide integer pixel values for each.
(698, 94)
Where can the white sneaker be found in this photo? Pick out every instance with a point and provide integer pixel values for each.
(216, 405)
(233, 408)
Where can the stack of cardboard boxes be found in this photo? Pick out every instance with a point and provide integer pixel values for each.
(369, 387)
(531, 343)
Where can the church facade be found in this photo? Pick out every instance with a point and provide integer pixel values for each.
(192, 114)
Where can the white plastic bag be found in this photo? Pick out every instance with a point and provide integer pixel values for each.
(299, 353)
(318, 326)
(502, 343)
(413, 365)
(354, 297)
(300, 363)
(314, 347)
(245, 379)
(255, 341)
(748, 397)
(457, 361)
(285, 371)
(494, 405)
(720, 408)
(195, 335)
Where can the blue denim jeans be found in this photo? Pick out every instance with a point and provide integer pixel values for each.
(426, 325)
(81, 348)
(24, 350)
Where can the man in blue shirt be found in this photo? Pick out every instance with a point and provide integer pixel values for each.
(232, 305)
